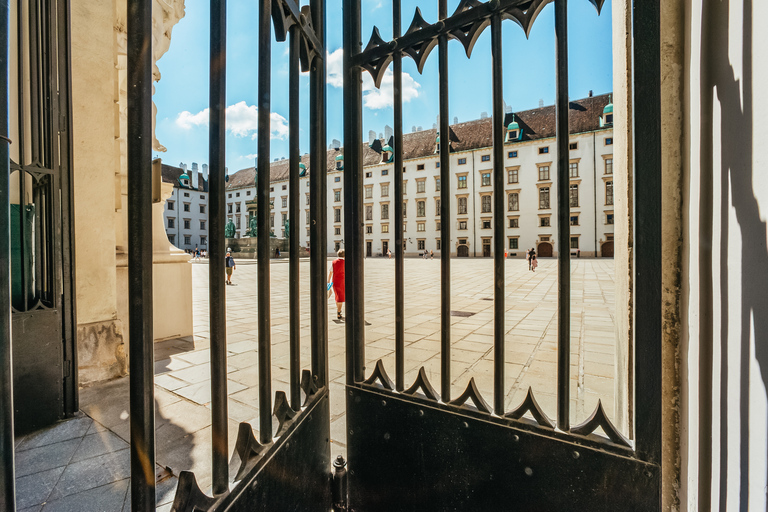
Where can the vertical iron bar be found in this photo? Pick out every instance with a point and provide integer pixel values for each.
(647, 165)
(353, 188)
(23, 304)
(399, 237)
(445, 214)
(498, 217)
(318, 200)
(217, 244)
(563, 220)
(293, 216)
(7, 468)
(34, 80)
(263, 213)
(140, 254)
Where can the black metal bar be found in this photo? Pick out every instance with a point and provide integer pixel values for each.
(647, 250)
(563, 220)
(445, 214)
(399, 237)
(34, 81)
(312, 38)
(318, 201)
(20, 29)
(139, 137)
(294, 217)
(498, 217)
(217, 245)
(263, 213)
(7, 469)
(353, 187)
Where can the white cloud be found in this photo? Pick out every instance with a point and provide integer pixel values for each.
(252, 156)
(242, 121)
(373, 98)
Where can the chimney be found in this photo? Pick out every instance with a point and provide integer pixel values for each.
(590, 93)
(193, 176)
(413, 129)
(434, 126)
(541, 103)
(419, 129)
(455, 120)
(205, 172)
(336, 144)
(371, 137)
(388, 132)
(381, 135)
(483, 115)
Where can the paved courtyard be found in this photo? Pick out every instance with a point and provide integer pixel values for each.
(87, 458)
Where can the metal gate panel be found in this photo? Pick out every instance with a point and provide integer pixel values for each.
(407, 453)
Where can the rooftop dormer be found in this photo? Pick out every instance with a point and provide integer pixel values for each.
(514, 132)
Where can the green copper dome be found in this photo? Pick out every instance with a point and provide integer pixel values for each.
(608, 109)
(339, 157)
(513, 126)
(184, 176)
(302, 166)
(387, 148)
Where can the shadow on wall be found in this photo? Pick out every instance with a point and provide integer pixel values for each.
(719, 83)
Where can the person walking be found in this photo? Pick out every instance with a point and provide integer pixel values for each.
(336, 278)
(431, 255)
(229, 261)
(389, 254)
(534, 262)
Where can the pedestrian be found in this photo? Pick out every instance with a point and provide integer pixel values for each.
(528, 258)
(389, 254)
(229, 261)
(277, 252)
(534, 262)
(506, 254)
(431, 255)
(336, 278)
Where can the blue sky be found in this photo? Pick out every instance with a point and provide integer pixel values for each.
(181, 95)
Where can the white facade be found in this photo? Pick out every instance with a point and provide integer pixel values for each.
(186, 211)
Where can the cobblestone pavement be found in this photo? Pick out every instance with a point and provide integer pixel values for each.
(91, 466)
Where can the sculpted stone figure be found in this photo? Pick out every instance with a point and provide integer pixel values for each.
(229, 229)
(253, 227)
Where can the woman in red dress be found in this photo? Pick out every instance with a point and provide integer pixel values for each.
(336, 277)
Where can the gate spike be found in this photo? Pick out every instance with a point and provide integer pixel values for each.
(282, 412)
(526, 18)
(468, 35)
(531, 405)
(189, 497)
(281, 21)
(375, 40)
(598, 5)
(247, 448)
(599, 419)
(308, 384)
(417, 23)
(422, 383)
(466, 5)
(380, 374)
(474, 394)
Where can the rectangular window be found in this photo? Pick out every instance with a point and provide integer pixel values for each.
(229, 208)
(421, 226)
(574, 195)
(574, 220)
(384, 211)
(573, 169)
(186, 224)
(186, 207)
(421, 186)
(462, 182)
(337, 195)
(272, 220)
(237, 194)
(544, 222)
(512, 154)
(609, 166)
(306, 215)
(384, 172)
(186, 194)
(420, 244)
(404, 230)
(405, 187)
(237, 207)
(544, 150)
(202, 224)
(437, 184)
(512, 176)
(486, 224)
(437, 244)
(437, 207)
(438, 225)
(187, 239)
(544, 173)
(368, 192)
(462, 161)
(485, 204)
(485, 158)
(513, 243)
(462, 224)
(203, 197)
(462, 206)
(248, 193)
(421, 208)
(271, 189)
(437, 165)
(486, 179)
(337, 179)
(543, 198)
(172, 239)
(284, 202)
(405, 209)
(420, 167)
(608, 192)
(171, 205)
(171, 223)
(609, 218)
(369, 212)
(574, 242)
(609, 141)
(385, 228)
(573, 145)
(307, 198)
(368, 230)
(229, 196)
(285, 187)
(385, 190)
(337, 231)
(513, 202)
(514, 223)
(337, 215)
(368, 174)
(203, 240)
(202, 208)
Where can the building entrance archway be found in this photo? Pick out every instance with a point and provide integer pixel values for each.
(544, 250)
(462, 251)
(606, 250)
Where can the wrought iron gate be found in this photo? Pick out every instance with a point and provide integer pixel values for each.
(43, 317)
(417, 448)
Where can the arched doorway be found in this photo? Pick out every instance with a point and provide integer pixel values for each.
(544, 250)
(606, 250)
(462, 251)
